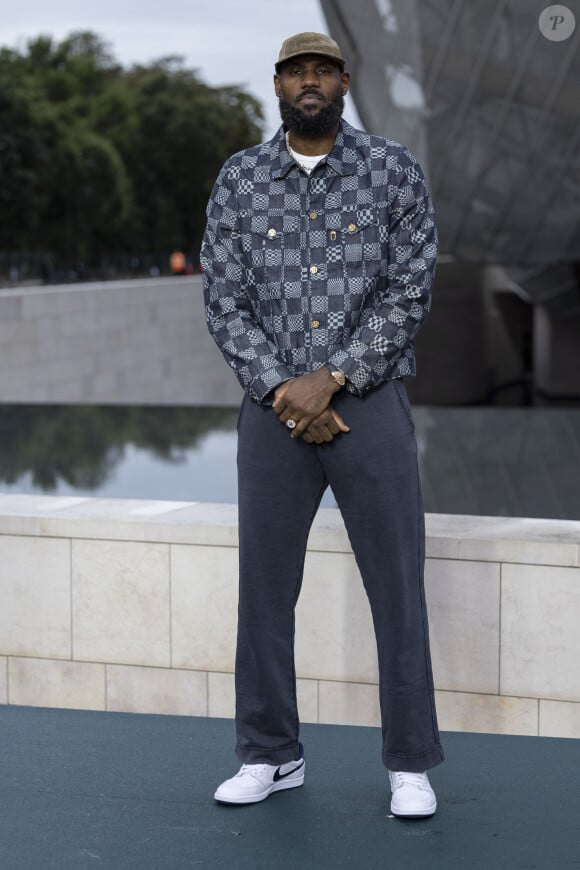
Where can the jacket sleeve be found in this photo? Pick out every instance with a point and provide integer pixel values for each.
(230, 317)
(392, 314)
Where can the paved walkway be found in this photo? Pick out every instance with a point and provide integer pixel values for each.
(116, 792)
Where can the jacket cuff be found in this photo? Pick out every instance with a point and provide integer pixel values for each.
(359, 378)
(263, 386)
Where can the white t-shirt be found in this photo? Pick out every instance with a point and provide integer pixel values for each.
(304, 160)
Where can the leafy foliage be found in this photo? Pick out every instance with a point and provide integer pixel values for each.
(95, 158)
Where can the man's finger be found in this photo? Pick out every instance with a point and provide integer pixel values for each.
(301, 426)
(321, 428)
(332, 425)
(339, 421)
(279, 391)
(320, 431)
(285, 417)
(279, 404)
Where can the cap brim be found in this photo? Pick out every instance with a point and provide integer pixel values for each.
(340, 62)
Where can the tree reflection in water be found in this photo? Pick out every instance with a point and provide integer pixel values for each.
(520, 462)
(82, 445)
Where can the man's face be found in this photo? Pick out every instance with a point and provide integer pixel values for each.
(311, 93)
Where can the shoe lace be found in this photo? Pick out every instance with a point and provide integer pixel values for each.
(255, 770)
(402, 776)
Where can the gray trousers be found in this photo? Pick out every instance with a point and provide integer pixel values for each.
(373, 473)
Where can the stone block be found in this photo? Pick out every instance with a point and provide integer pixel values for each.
(348, 704)
(463, 605)
(121, 602)
(307, 695)
(3, 680)
(156, 690)
(490, 714)
(559, 719)
(49, 683)
(540, 640)
(204, 600)
(35, 583)
(221, 695)
(521, 540)
(10, 307)
(334, 632)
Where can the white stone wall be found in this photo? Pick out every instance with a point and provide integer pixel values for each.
(129, 342)
(131, 606)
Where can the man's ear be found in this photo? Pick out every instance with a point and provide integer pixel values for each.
(277, 84)
(345, 77)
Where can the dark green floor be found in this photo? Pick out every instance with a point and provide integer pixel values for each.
(109, 790)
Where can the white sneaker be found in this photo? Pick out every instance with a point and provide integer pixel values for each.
(255, 782)
(412, 795)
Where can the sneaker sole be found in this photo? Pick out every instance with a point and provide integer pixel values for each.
(282, 785)
(419, 814)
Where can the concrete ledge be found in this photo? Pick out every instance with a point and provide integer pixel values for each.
(131, 606)
(474, 538)
(504, 539)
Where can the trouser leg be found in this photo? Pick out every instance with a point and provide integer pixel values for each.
(374, 476)
(280, 485)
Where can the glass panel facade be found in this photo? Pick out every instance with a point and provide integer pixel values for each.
(486, 93)
(490, 106)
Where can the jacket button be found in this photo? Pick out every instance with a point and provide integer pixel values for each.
(313, 215)
(272, 233)
(315, 324)
(313, 270)
(351, 228)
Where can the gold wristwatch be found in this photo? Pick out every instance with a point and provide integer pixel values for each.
(338, 376)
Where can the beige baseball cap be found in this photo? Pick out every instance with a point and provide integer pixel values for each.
(310, 43)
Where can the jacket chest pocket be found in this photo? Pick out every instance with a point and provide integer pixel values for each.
(354, 242)
(275, 250)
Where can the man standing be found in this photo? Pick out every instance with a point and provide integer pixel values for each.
(318, 262)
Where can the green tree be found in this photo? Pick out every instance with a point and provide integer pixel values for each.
(186, 131)
(24, 155)
(97, 159)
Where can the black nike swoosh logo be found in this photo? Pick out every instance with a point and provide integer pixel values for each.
(278, 776)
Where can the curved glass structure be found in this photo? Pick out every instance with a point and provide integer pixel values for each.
(489, 101)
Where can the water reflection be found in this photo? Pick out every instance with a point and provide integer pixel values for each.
(486, 461)
(501, 461)
(124, 452)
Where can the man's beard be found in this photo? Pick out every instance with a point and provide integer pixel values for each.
(315, 124)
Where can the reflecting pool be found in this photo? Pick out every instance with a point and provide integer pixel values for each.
(485, 461)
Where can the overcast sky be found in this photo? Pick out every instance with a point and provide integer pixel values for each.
(227, 41)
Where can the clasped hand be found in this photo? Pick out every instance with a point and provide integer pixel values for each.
(306, 400)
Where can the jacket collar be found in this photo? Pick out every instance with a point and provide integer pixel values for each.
(342, 158)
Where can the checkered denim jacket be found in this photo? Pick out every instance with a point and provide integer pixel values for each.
(335, 268)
